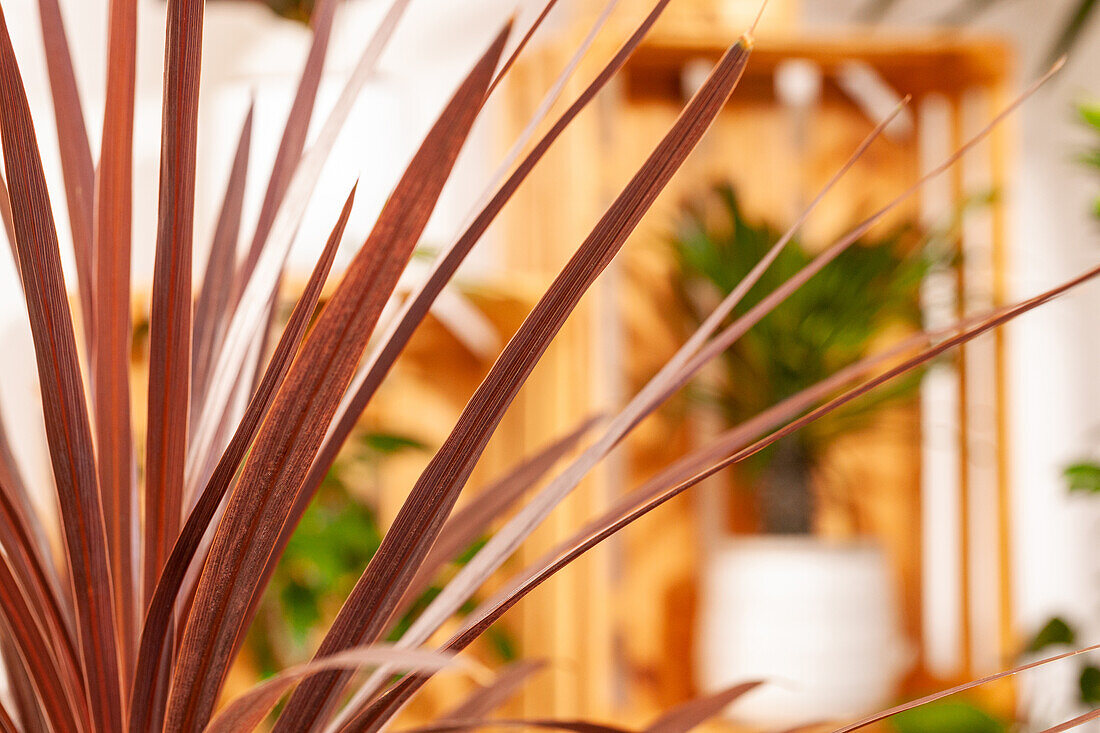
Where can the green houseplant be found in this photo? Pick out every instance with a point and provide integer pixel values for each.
(110, 638)
(833, 320)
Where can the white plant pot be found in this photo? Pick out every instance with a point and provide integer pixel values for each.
(817, 621)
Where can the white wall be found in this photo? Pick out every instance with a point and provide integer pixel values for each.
(1053, 352)
(248, 51)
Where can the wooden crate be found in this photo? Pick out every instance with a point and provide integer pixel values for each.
(620, 626)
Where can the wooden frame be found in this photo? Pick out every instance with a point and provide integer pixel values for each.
(632, 660)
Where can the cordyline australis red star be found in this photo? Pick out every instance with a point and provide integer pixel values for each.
(109, 643)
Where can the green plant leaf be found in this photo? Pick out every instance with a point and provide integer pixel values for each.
(947, 717)
(1056, 633)
(389, 443)
(503, 643)
(1089, 684)
(1083, 477)
(1090, 113)
(829, 322)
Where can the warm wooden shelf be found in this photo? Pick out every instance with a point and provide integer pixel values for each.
(632, 638)
(914, 64)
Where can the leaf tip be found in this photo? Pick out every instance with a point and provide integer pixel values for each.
(756, 21)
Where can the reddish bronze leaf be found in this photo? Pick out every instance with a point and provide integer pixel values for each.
(249, 710)
(110, 358)
(77, 167)
(23, 629)
(170, 317)
(28, 565)
(67, 426)
(371, 717)
(303, 407)
(381, 360)
(149, 697)
(374, 598)
(485, 700)
(688, 715)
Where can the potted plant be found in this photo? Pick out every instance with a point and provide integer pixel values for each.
(788, 605)
(149, 647)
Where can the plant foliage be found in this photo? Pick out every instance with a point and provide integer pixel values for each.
(831, 321)
(1090, 114)
(165, 553)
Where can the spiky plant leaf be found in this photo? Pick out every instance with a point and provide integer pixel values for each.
(293, 140)
(249, 710)
(67, 425)
(288, 439)
(170, 318)
(77, 167)
(110, 359)
(69, 645)
(148, 696)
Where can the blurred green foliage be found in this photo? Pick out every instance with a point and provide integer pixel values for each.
(1083, 477)
(1056, 636)
(336, 538)
(1089, 684)
(952, 716)
(825, 325)
(1056, 633)
(1090, 114)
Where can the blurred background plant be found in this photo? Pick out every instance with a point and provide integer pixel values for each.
(1059, 634)
(834, 319)
(950, 716)
(1090, 113)
(337, 537)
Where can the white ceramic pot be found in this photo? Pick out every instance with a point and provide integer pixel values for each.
(817, 621)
